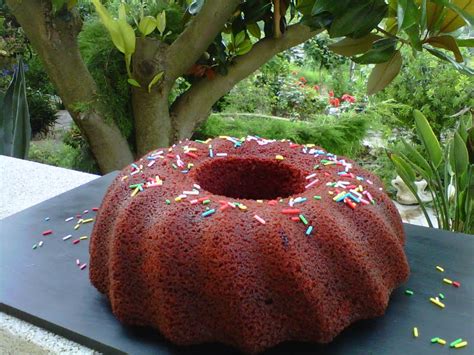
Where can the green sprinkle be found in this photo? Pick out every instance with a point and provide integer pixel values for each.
(409, 292)
(316, 167)
(317, 197)
(205, 202)
(457, 341)
(174, 166)
(200, 141)
(168, 201)
(441, 296)
(303, 219)
(35, 246)
(434, 340)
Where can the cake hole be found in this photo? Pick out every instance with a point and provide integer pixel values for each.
(250, 178)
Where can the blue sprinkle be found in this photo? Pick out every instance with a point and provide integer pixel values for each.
(354, 197)
(309, 230)
(46, 219)
(342, 198)
(208, 213)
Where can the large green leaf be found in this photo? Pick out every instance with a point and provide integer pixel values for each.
(352, 46)
(147, 25)
(384, 73)
(417, 159)
(359, 18)
(460, 154)
(15, 128)
(460, 67)
(428, 138)
(331, 6)
(407, 14)
(375, 56)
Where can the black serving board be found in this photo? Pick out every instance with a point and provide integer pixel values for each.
(45, 287)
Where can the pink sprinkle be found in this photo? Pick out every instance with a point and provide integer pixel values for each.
(273, 202)
(456, 284)
(76, 241)
(311, 183)
(48, 232)
(193, 202)
(369, 182)
(224, 207)
(364, 201)
(95, 209)
(83, 266)
(310, 176)
(260, 219)
(151, 163)
(78, 262)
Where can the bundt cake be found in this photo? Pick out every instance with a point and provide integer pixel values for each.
(248, 242)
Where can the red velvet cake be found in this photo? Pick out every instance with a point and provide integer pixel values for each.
(248, 242)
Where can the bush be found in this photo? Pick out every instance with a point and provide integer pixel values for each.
(435, 88)
(83, 158)
(339, 136)
(42, 112)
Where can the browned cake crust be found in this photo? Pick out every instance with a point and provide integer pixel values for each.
(218, 265)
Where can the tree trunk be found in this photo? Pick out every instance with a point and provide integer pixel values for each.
(153, 126)
(55, 40)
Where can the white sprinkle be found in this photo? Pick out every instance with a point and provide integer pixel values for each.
(310, 176)
(260, 219)
(151, 163)
(78, 262)
(311, 183)
(221, 154)
(68, 219)
(67, 237)
(194, 192)
(197, 186)
(40, 244)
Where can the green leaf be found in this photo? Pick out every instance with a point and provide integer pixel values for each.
(58, 5)
(428, 138)
(465, 42)
(375, 56)
(254, 30)
(460, 67)
(349, 46)
(461, 155)
(417, 159)
(407, 169)
(384, 73)
(447, 42)
(133, 82)
(155, 79)
(239, 38)
(244, 47)
(161, 22)
(331, 6)
(122, 12)
(147, 25)
(407, 14)
(359, 19)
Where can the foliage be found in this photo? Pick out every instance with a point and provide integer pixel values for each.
(449, 174)
(108, 70)
(42, 112)
(317, 51)
(339, 136)
(435, 88)
(83, 159)
(15, 128)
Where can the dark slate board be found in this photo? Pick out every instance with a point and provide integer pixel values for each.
(46, 288)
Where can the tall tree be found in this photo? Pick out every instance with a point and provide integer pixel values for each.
(219, 44)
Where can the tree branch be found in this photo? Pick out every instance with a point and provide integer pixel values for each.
(194, 105)
(198, 35)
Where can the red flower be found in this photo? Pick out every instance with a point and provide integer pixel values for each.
(334, 102)
(316, 87)
(303, 80)
(348, 98)
(331, 93)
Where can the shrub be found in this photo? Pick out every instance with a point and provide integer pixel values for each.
(339, 136)
(42, 112)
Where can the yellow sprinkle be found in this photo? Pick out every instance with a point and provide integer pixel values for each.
(309, 145)
(360, 188)
(441, 341)
(124, 177)
(177, 199)
(88, 220)
(437, 302)
(331, 192)
(461, 345)
(415, 332)
(242, 206)
(80, 221)
(134, 192)
(448, 281)
(208, 140)
(192, 149)
(223, 137)
(439, 268)
(259, 201)
(84, 237)
(339, 195)
(76, 227)
(279, 157)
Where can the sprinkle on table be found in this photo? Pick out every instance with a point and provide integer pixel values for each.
(448, 281)
(441, 296)
(409, 292)
(441, 341)
(47, 232)
(34, 246)
(460, 345)
(415, 332)
(456, 284)
(439, 268)
(455, 342)
(83, 266)
(69, 236)
(437, 302)
(68, 219)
